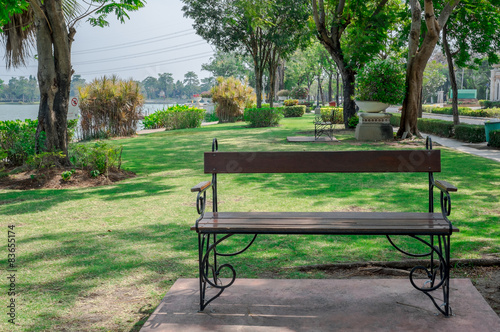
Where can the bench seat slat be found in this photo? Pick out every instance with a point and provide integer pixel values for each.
(358, 223)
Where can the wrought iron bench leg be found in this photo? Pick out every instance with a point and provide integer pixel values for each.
(205, 251)
(442, 252)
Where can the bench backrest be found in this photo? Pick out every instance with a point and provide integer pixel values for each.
(323, 161)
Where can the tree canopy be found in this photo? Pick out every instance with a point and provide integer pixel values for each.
(265, 30)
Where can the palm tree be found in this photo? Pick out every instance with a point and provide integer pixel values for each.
(50, 25)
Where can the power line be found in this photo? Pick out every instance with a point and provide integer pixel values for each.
(136, 43)
(137, 55)
(171, 61)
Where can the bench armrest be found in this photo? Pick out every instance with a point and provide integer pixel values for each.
(201, 199)
(202, 186)
(445, 186)
(445, 199)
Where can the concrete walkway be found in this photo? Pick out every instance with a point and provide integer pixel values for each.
(284, 305)
(478, 149)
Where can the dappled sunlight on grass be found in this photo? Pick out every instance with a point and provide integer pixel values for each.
(84, 250)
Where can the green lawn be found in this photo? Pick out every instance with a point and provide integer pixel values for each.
(100, 259)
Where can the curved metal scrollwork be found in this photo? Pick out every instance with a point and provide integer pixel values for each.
(445, 203)
(442, 252)
(209, 273)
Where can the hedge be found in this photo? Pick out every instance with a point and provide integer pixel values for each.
(437, 127)
(494, 138)
(336, 117)
(489, 103)
(461, 111)
(294, 111)
(463, 132)
(263, 117)
(470, 133)
(17, 140)
(175, 117)
(291, 102)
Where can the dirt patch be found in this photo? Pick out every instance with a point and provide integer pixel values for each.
(50, 178)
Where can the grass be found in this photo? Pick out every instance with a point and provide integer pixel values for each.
(101, 259)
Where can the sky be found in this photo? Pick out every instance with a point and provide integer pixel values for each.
(156, 39)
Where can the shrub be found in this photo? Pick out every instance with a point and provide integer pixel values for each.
(99, 156)
(332, 114)
(294, 111)
(291, 102)
(17, 140)
(299, 92)
(437, 127)
(66, 175)
(175, 117)
(211, 117)
(283, 93)
(494, 138)
(482, 102)
(72, 124)
(110, 107)
(493, 112)
(263, 117)
(45, 160)
(206, 94)
(353, 121)
(470, 133)
(381, 80)
(489, 104)
(231, 96)
(395, 120)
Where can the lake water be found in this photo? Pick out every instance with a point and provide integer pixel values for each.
(22, 112)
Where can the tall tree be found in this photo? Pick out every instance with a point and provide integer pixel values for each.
(166, 83)
(227, 64)
(250, 27)
(353, 31)
(191, 83)
(150, 85)
(52, 23)
(473, 30)
(420, 48)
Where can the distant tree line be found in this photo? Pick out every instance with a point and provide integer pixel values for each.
(164, 86)
(19, 89)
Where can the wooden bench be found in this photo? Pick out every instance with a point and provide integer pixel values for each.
(215, 227)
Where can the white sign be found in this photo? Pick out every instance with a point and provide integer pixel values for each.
(73, 109)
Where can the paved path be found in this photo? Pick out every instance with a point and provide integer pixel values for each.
(463, 119)
(478, 149)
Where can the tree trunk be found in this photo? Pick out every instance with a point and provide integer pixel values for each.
(453, 78)
(273, 68)
(418, 55)
(54, 77)
(349, 105)
(337, 95)
(330, 89)
(258, 83)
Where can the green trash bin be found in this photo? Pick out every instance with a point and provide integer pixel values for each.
(490, 126)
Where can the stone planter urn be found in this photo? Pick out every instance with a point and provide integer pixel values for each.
(374, 124)
(371, 106)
